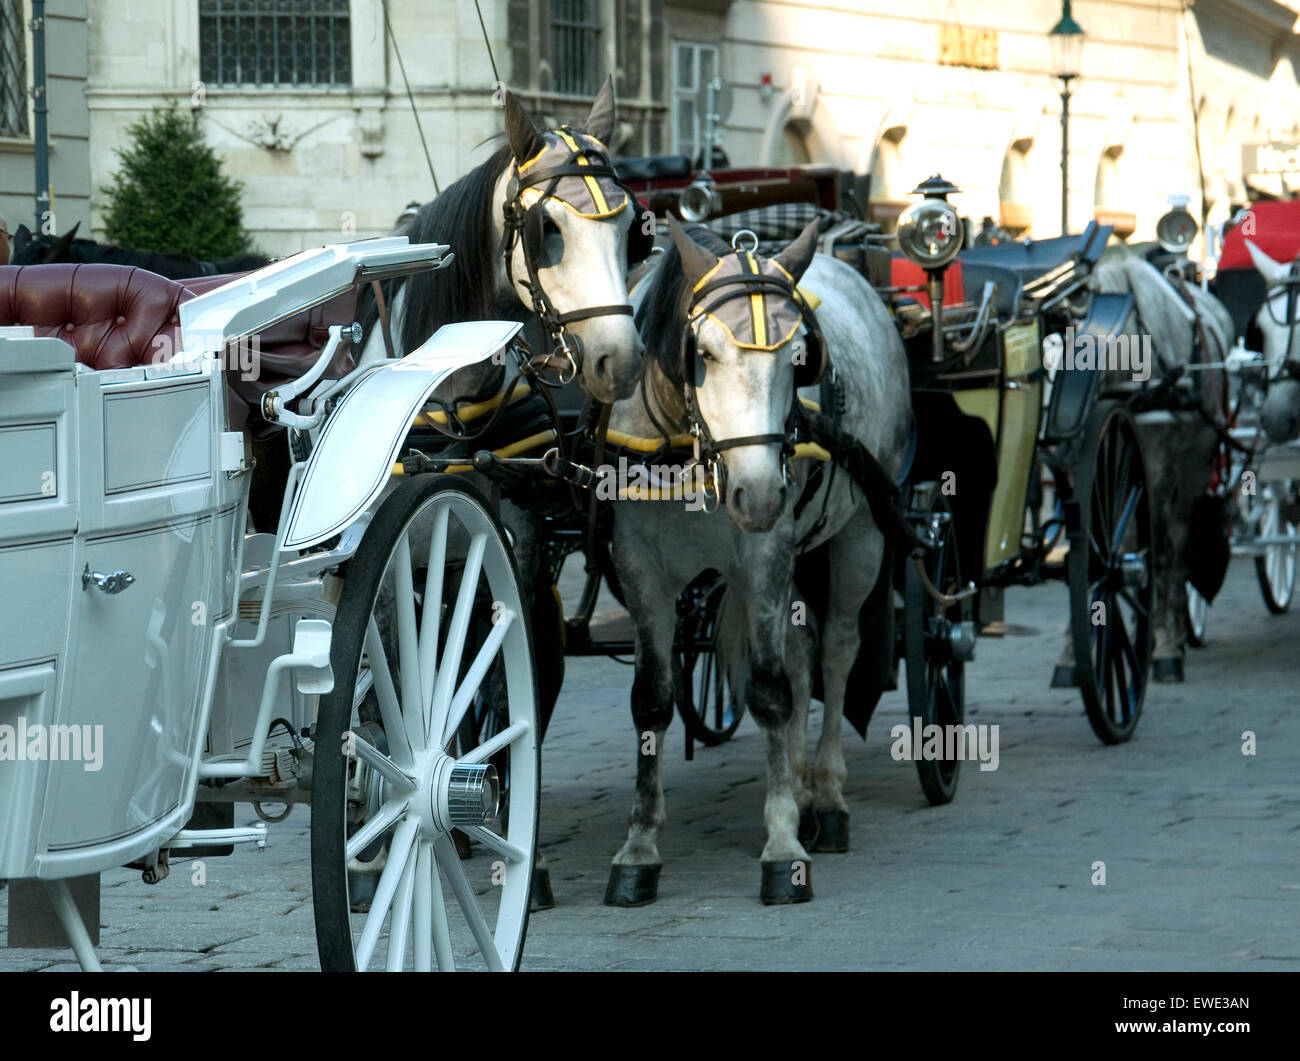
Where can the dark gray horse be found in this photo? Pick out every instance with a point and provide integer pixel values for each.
(48, 250)
(1179, 447)
(744, 388)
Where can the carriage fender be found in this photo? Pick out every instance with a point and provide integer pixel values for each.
(352, 459)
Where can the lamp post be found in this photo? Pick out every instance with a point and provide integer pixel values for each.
(1066, 38)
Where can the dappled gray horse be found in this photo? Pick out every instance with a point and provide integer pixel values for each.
(1279, 324)
(1179, 448)
(724, 357)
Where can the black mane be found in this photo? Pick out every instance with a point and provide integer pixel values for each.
(462, 217)
(662, 313)
(44, 250)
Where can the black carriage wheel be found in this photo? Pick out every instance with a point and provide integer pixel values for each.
(704, 696)
(1112, 592)
(428, 911)
(936, 682)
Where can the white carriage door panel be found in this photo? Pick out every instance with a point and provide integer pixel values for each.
(137, 672)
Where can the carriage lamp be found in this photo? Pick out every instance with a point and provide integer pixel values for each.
(1066, 39)
(699, 200)
(930, 234)
(1176, 230)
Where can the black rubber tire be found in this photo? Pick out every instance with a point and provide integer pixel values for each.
(1112, 659)
(936, 686)
(364, 574)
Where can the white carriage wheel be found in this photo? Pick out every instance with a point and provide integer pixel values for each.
(393, 774)
(1276, 568)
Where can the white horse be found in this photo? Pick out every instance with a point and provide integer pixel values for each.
(1279, 324)
(739, 384)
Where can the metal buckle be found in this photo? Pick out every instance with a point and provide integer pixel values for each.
(753, 241)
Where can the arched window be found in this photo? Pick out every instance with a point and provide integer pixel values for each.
(890, 182)
(1015, 194)
(1112, 203)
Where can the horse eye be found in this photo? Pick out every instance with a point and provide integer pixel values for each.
(549, 227)
(706, 354)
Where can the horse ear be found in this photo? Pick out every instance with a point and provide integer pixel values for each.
(796, 258)
(600, 122)
(1273, 272)
(524, 137)
(22, 237)
(696, 261)
(61, 247)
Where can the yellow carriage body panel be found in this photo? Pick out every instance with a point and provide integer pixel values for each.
(1012, 414)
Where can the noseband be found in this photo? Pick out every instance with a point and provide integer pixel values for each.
(584, 162)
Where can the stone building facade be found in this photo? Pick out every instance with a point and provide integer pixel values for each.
(308, 102)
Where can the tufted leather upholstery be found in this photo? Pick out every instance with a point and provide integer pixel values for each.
(114, 316)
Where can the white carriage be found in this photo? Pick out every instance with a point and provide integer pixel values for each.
(155, 656)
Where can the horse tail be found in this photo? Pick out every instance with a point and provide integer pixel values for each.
(731, 644)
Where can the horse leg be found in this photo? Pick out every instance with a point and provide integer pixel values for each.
(856, 554)
(763, 585)
(634, 875)
(800, 652)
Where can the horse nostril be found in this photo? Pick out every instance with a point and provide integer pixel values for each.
(738, 499)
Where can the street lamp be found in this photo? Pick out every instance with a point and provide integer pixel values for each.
(1066, 38)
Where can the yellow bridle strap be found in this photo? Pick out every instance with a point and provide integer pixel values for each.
(642, 444)
(469, 412)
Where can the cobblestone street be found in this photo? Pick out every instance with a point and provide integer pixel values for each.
(1201, 843)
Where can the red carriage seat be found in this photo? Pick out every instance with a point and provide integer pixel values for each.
(113, 316)
(1274, 229)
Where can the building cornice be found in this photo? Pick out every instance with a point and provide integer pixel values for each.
(1269, 16)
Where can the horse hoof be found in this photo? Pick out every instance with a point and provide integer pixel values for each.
(541, 897)
(632, 885)
(808, 827)
(361, 890)
(1063, 678)
(786, 882)
(1168, 670)
(832, 831)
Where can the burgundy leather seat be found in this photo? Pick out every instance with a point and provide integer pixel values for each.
(114, 316)
(118, 316)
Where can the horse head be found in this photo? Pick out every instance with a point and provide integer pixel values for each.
(745, 351)
(569, 236)
(1279, 324)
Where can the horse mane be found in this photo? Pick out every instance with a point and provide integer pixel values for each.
(1159, 309)
(662, 314)
(173, 266)
(462, 217)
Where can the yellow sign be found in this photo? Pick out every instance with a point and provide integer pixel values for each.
(961, 46)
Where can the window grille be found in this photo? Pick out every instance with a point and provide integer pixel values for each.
(275, 42)
(576, 62)
(13, 69)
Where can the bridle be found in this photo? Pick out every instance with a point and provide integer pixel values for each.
(748, 284)
(523, 224)
(1290, 287)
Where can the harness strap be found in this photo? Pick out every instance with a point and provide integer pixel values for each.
(382, 306)
(594, 311)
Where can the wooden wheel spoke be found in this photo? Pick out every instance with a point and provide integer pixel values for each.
(497, 843)
(489, 748)
(373, 829)
(478, 670)
(390, 709)
(401, 922)
(457, 630)
(460, 887)
(399, 851)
